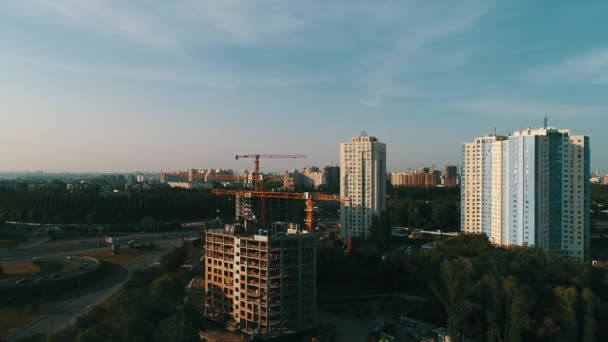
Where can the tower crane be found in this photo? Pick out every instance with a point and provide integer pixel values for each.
(258, 182)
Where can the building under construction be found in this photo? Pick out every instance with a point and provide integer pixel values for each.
(260, 283)
(277, 210)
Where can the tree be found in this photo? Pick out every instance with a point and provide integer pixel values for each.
(590, 302)
(92, 334)
(2, 217)
(455, 293)
(380, 230)
(568, 300)
(1, 270)
(518, 306)
(148, 224)
(175, 329)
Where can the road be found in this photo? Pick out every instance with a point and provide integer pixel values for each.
(431, 232)
(64, 247)
(66, 313)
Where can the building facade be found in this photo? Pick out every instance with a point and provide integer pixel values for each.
(529, 189)
(363, 182)
(418, 179)
(264, 284)
(312, 177)
(332, 178)
(450, 176)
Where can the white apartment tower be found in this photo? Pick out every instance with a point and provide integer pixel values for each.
(529, 189)
(363, 182)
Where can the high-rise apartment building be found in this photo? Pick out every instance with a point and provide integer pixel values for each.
(266, 284)
(363, 182)
(529, 189)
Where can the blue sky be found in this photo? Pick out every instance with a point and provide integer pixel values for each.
(162, 85)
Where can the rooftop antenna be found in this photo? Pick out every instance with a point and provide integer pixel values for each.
(494, 130)
(363, 133)
(546, 122)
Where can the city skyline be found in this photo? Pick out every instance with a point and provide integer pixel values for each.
(106, 86)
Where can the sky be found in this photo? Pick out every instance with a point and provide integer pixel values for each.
(166, 85)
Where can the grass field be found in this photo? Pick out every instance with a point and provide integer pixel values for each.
(124, 258)
(12, 319)
(50, 266)
(20, 268)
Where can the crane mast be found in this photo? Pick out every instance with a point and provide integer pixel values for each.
(258, 181)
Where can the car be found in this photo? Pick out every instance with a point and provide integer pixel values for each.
(35, 258)
(23, 281)
(7, 259)
(54, 275)
(69, 257)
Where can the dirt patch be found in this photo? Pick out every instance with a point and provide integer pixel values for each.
(8, 243)
(20, 268)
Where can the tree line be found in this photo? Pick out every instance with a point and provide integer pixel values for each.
(481, 292)
(425, 208)
(521, 294)
(56, 205)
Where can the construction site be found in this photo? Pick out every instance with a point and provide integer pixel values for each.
(260, 270)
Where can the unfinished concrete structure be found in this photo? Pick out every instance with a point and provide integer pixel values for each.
(260, 283)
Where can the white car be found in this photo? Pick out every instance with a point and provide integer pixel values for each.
(35, 258)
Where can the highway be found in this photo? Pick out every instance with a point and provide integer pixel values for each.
(66, 313)
(75, 246)
(431, 232)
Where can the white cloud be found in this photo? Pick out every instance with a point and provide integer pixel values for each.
(412, 52)
(208, 76)
(590, 67)
(521, 108)
(102, 17)
(398, 35)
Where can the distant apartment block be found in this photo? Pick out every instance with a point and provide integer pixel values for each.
(450, 176)
(189, 185)
(424, 178)
(261, 283)
(312, 178)
(363, 182)
(529, 189)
